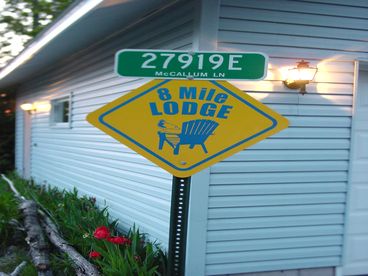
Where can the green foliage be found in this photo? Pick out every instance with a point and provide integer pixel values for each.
(8, 211)
(26, 18)
(138, 258)
(61, 265)
(29, 270)
(13, 261)
(78, 217)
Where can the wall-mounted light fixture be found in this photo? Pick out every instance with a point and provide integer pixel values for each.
(36, 106)
(299, 76)
(28, 107)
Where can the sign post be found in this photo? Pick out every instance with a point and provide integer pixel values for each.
(187, 125)
(178, 225)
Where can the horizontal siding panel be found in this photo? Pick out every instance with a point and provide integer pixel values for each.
(294, 41)
(267, 222)
(343, 3)
(276, 189)
(325, 111)
(321, 110)
(100, 171)
(277, 254)
(288, 155)
(280, 166)
(282, 243)
(306, 144)
(324, 66)
(288, 29)
(243, 267)
(100, 153)
(273, 200)
(302, 121)
(76, 159)
(311, 99)
(285, 16)
(109, 147)
(130, 167)
(321, 8)
(280, 232)
(268, 178)
(267, 85)
(289, 51)
(112, 145)
(275, 210)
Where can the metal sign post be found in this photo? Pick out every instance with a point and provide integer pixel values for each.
(178, 225)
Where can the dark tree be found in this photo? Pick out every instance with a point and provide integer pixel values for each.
(7, 116)
(25, 19)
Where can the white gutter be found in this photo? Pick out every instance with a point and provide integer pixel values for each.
(71, 17)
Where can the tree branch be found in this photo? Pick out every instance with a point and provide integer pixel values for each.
(81, 265)
(35, 238)
(16, 271)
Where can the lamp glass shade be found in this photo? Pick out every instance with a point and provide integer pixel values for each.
(27, 106)
(301, 74)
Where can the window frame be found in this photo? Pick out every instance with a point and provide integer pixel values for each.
(52, 123)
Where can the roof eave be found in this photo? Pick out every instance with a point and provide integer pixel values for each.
(77, 28)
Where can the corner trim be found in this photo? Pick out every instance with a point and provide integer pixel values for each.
(205, 35)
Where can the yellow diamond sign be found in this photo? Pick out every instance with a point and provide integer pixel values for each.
(185, 126)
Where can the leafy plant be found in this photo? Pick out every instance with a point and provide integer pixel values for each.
(129, 255)
(8, 211)
(78, 218)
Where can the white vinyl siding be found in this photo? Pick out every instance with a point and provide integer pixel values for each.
(280, 204)
(135, 190)
(294, 28)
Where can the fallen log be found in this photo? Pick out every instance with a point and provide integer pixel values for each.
(35, 238)
(81, 265)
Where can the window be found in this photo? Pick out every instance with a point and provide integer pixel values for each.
(60, 112)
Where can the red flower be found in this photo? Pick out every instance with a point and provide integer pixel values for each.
(101, 232)
(94, 254)
(119, 240)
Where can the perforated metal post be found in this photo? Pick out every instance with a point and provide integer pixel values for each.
(178, 225)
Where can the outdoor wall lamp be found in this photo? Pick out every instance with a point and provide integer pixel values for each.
(299, 76)
(36, 106)
(28, 107)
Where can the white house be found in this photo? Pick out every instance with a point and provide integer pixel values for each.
(294, 204)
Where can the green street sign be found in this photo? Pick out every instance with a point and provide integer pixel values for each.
(164, 64)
